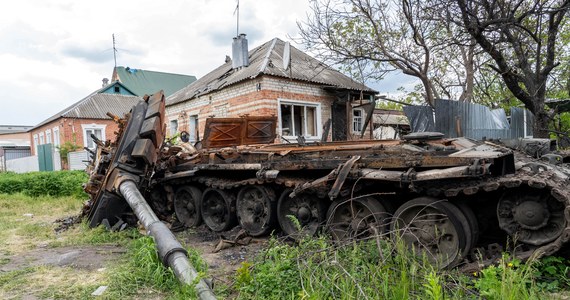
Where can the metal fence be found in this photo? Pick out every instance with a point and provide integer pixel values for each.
(472, 120)
(11, 153)
(78, 160)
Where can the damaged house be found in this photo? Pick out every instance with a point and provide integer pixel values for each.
(279, 80)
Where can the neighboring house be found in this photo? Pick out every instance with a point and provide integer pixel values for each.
(14, 143)
(301, 91)
(116, 87)
(76, 123)
(390, 124)
(139, 82)
(15, 135)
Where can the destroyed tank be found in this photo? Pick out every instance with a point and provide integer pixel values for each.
(454, 200)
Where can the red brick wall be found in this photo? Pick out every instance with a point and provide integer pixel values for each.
(67, 128)
(252, 97)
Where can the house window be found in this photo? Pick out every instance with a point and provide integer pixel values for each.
(357, 120)
(56, 136)
(193, 128)
(298, 118)
(117, 89)
(95, 129)
(36, 140)
(42, 140)
(173, 127)
(48, 136)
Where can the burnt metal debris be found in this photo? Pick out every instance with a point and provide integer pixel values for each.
(456, 200)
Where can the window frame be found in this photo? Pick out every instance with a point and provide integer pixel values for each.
(360, 118)
(56, 137)
(193, 122)
(48, 136)
(172, 130)
(42, 138)
(36, 143)
(305, 104)
(85, 127)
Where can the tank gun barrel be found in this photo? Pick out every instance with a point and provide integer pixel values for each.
(169, 249)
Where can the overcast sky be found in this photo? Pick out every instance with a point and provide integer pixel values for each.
(53, 53)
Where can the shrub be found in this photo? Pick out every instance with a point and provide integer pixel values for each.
(35, 184)
(11, 183)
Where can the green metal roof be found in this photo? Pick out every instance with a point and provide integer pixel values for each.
(143, 82)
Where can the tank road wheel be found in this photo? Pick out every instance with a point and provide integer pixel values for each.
(472, 220)
(256, 207)
(308, 210)
(531, 216)
(357, 218)
(187, 205)
(218, 209)
(437, 229)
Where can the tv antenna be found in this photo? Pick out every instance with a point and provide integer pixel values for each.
(114, 51)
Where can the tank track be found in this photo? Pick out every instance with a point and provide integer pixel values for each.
(551, 180)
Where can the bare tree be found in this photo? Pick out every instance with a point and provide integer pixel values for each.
(521, 38)
(370, 38)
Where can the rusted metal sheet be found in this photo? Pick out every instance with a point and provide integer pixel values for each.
(223, 132)
(227, 132)
(259, 130)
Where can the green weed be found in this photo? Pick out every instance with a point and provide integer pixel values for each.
(509, 279)
(144, 272)
(553, 273)
(319, 269)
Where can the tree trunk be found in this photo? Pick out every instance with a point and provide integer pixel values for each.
(540, 126)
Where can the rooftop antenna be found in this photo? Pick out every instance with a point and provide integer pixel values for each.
(114, 51)
(237, 19)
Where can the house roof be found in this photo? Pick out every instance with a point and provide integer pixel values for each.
(389, 117)
(96, 106)
(10, 129)
(267, 59)
(142, 82)
(108, 87)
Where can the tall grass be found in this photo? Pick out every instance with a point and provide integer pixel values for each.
(374, 269)
(143, 272)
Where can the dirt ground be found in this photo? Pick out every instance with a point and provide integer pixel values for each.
(90, 257)
(88, 260)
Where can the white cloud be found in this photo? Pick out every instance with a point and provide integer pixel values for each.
(55, 52)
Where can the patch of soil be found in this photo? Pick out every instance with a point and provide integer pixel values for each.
(222, 264)
(88, 257)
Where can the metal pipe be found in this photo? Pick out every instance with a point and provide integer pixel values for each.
(388, 175)
(169, 249)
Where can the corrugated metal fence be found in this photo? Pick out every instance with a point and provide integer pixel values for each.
(476, 121)
(11, 153)
(78, 160)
